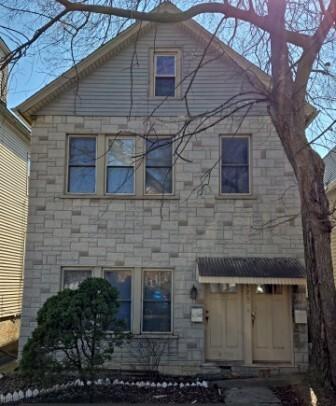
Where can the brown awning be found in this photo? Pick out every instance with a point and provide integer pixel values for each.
(251, 270)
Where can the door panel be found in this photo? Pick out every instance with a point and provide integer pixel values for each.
(271, 327)
(224, 326)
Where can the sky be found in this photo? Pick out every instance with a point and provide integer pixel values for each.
(33, 72)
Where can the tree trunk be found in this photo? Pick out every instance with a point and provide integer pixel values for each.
(320, 280)
(309, 169)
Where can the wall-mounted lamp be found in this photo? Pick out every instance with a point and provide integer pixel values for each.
(193, 293)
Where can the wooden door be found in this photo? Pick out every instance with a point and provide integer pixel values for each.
(224, 326)
(271, 324)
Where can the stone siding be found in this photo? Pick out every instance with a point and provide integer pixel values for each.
(162, 233)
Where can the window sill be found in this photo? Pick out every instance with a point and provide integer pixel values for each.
(236, 197)
(165, 336)
(163, 98)
(121, 197)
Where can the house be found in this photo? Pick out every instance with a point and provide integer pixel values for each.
(195, 223)
(330, 187)
(14, 173)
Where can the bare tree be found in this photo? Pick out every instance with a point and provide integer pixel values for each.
(293, 42)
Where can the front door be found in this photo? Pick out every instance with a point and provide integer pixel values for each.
(271, 324)
(224, 323)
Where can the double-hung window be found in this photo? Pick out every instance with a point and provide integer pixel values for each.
(156, 307)
(159, 166)
(165, 74)
(122, 281)
(235, 165)
(82, 165)
(72, 278)
(120, 166)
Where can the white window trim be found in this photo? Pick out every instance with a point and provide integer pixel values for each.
(66, 186)
(236, 195)
(109, 137)
(178, 70)
(144, 333)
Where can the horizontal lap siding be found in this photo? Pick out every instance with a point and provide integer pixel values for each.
(107, 90)
(13, 219)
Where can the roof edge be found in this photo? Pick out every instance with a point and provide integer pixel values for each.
(15, 121)
(66, 79)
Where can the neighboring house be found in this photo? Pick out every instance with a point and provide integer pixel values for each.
(198, 244)
(330, 186)
(14, 158)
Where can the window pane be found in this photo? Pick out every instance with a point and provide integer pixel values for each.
(72, 279)
(122, 281)
(159, 152)
(82, 151)
(165, 86)
(235, 179)
(121, 152)
(158, 180)
(157, 301)
(124, 314)
(165, 65)
(82, 179)
(120, 180)
(157, 286)
(235, 150)
(156, 317)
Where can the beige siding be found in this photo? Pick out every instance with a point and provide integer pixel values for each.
(332, 201)
(108, 89)
(13, 217)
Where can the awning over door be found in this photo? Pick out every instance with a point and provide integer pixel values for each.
(251, 270)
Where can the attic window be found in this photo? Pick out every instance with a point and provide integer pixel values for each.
(165, 73)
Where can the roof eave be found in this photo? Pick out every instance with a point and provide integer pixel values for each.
(14, 121)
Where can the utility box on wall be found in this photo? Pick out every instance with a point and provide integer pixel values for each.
(300, 316)
(197, 314)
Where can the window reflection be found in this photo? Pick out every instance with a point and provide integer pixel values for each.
(120, 166)
(73, 278)
(122, 281)
(235, 165)
(82, 165)
(158, 166)
(157, 301)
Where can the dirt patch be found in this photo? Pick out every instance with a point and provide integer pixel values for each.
(309, 393)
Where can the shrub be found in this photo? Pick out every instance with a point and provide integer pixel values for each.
(72, 332)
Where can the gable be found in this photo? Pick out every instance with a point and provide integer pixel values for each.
(113, 90)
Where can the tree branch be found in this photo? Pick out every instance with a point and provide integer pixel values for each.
(263, 22)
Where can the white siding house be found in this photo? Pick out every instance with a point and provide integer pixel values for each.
(14, 155)
(183, 231)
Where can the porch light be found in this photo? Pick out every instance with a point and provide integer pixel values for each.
(193, 293)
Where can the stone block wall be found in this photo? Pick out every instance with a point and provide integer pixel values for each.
(157, 233)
